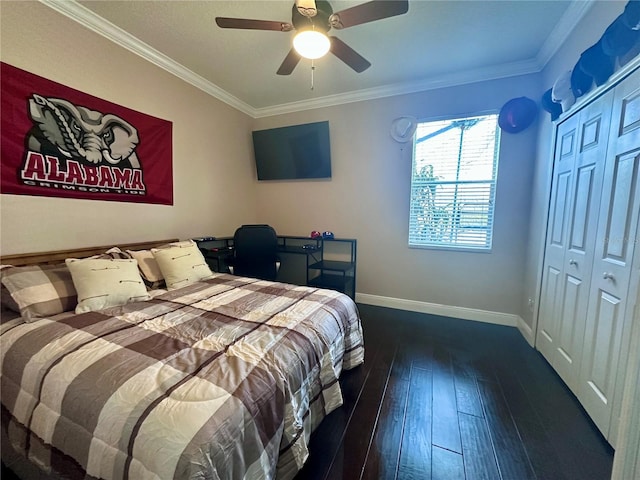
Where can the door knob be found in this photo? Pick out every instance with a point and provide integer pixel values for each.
(608, 276)
(573, 262)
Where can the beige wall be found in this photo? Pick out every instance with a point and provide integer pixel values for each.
(368, 198)
(215, 188)
(212, 156)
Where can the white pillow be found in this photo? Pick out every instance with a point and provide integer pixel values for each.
(102, 283)
(181, 264)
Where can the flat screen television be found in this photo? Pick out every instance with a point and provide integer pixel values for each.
(295, 152)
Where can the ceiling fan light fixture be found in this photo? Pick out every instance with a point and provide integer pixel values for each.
(307, 8)
(311, 44)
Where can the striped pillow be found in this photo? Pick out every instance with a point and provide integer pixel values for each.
(7, 301)
(149, 269)
(113, 252)
(40, 290)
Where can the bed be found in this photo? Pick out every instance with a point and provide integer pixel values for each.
(224, 378)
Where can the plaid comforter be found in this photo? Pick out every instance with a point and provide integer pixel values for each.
(223, 379)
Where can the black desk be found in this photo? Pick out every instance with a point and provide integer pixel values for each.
(215, 252)
(327, 263)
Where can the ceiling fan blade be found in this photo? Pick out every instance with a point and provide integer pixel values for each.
(348, 55)
(289, 63)
(368, 12)
(245, 23)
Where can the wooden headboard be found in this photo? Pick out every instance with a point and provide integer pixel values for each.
(59, 256)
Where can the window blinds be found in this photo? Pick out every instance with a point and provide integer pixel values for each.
(453, 183)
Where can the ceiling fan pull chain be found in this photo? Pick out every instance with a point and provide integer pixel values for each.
(313, 68)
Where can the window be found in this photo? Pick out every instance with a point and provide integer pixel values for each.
(453, 183)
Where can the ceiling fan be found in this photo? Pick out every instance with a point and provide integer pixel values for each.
(312, 20)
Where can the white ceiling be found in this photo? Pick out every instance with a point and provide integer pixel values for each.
(436, 43)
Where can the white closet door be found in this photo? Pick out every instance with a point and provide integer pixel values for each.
(571, 237)
(615, 242)
(557, 237)
(593, 128)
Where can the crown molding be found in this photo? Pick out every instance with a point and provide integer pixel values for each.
(87, 18)
(101, 26)
(469, 76)
(567, 24)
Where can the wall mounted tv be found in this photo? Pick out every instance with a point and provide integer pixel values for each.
(295, 152)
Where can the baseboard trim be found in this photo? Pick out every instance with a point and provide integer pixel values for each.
(526, 331)
(464, 313)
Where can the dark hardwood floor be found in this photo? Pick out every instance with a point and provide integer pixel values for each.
(439, 398)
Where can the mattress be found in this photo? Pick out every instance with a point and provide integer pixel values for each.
(222, 379)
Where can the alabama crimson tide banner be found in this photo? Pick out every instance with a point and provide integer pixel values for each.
(56, 141)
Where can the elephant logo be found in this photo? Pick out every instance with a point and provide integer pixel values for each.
(80, 133)
(73, 147)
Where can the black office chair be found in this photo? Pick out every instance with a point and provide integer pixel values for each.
(255, 252)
